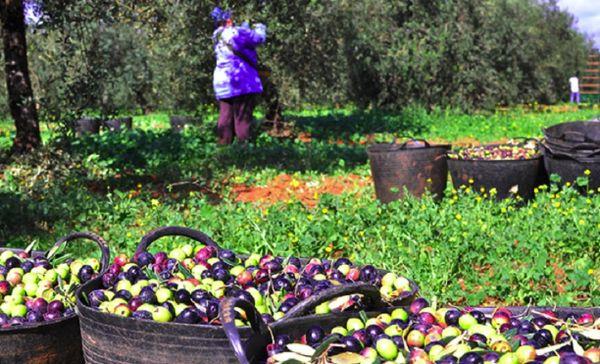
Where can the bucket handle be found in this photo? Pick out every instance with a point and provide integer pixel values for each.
(227, 316)
(370, 292)
(163, 231)
(104, 250)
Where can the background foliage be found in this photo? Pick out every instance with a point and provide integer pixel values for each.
(122, 56)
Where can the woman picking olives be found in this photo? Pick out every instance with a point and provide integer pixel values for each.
(236, 80)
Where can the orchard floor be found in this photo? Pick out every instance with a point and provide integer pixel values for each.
(310, 194)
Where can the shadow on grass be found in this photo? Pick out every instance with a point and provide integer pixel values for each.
(343, 125)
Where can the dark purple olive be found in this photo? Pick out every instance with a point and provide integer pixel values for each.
(171, 264)
(282, 340)
(282, 284)
(543, 337)
(108, 280)
(314, 334)
(352, 344)
(27, 266)
(539, 322)
(338, 276)
(227, 254)
(374, 331)
(267, 318)
(212, 310)
(322, 285)
(142, 315)
(169, 306)
(12, 262)
(221, 275)
(18, 321)
(491, 357)
(447, 359)
(34, 316)
(56, 306)
(198, 295)
(471, 358)
(183, 296)
(423, 328)
(135, 303)
(402, 324)
(273, 266)
(52, 315)
(133, 274)
(452, 316)
(368, 273)
(43, 263)
(397, 339)
(147, 295)
(3, 319)
(573, 359)
(85, 273)
(342, 261)
(426, 318)
(145, 258)
(295, 262)
(39, 305)
(3, 270)
(526, 327)
(188, 316)
(515, 323)
(417, 305)
(96, 297)
(362, 336)
(479, 316)
(124, 294)
(478, 339)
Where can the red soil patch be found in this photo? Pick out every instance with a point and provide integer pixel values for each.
(285, 187)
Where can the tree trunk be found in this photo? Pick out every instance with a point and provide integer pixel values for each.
(18, 83)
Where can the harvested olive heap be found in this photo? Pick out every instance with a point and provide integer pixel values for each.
(34, 290)
(187, 284)
(509, 151)
(447, 336)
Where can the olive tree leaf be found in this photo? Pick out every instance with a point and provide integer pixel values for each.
(321, 349)
(593, 334)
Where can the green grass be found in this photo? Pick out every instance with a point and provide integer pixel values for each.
(464, 250)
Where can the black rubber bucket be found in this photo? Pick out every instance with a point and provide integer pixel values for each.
(56, 342)
(178, 122)
(110, 338)
(569, 170)
(87, 126)
(574, 132)
(395, 167)
(503, 175)
(116, 125)
(252, 349)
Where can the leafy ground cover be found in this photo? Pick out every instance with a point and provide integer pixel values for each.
(311, 194)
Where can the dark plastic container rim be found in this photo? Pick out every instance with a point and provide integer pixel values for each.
(491, 161)
(104, 264)
(393, 147)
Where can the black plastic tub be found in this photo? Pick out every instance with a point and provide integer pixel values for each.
(115, 125)
(110, 338)
(569, 170)
(87, 126)
(508, 177)
(178, 122)
(251, 349)
(416, 167)
(574, 132)
(55, 342)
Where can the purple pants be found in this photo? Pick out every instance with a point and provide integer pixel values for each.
(575, 97)
(235, 116)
